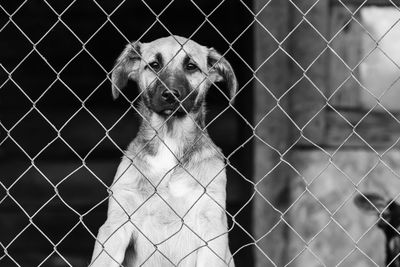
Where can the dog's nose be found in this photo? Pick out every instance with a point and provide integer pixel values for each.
(170, 95)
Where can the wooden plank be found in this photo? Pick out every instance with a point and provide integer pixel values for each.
(379, 129)
(273, 129)
(357, 3)
(344, 90)
(310, 86)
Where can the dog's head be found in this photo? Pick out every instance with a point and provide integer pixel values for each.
(173, 73)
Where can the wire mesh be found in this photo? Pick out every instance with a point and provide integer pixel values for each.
(304, 245)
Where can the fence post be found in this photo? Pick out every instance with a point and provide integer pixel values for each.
(274, 130)
(310, 65)
(310, 51)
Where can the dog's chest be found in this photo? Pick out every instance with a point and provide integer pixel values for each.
(164, 160)
(175, 184)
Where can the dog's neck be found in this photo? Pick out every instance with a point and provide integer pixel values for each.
(180, 133)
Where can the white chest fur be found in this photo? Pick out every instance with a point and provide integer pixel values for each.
(165, 159)
(171, 180)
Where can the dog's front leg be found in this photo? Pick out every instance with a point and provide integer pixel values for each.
(116, 233)
(213, 225)
(119, 230)
(111, 243)
(216, 252)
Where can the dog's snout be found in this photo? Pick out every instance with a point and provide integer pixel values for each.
(170, 95)
(171, 92)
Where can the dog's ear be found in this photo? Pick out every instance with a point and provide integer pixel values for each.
(221, 70)
(126, 67)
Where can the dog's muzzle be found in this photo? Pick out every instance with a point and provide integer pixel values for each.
(172, 94)
(170, 97)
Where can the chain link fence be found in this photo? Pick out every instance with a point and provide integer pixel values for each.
(312, 127)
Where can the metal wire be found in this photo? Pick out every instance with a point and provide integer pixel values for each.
(308, 182)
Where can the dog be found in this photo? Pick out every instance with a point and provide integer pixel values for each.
(167, 201)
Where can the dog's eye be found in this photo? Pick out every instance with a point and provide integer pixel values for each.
(155, 66)
(191, 67)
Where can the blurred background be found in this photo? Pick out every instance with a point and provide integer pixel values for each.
(315, 121)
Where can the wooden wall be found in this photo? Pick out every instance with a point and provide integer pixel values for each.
(271, 133)
(318, 144)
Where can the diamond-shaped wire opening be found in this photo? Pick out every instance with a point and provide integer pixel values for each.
(331, 188)
(304, 7)
(307, 208)
(100, 47)
(265, 206)
(76, 238)
(269, 119)
(277, 56)
(343, 86)
(305, 257)
(79, 22)
(353, 225)
(83, 188)
(13, 7)
(311, 19)
(32, 190)
(17, 40)
(381, 141)
(38, 250)
(298, 250)
(74, 75)
(382, 177)
(14, 162)
(59, 7)
(123, 128)
(33, 144)
(35, 27)
(46, 219)
(73, 131)
(322, 243)
(351, 36)
(60, 54)
(305, 90)
(34, 80)
(302, 61)
(21, 108)
(296, 247)
(372, 235)
(346, 122)
(148, 23)
(58, 104)
(378, 67)
(16, 223)
(357, 258)
(223, 9)
(3, 76)
(188, 12)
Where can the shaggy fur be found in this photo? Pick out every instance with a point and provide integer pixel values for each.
(167, 203)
